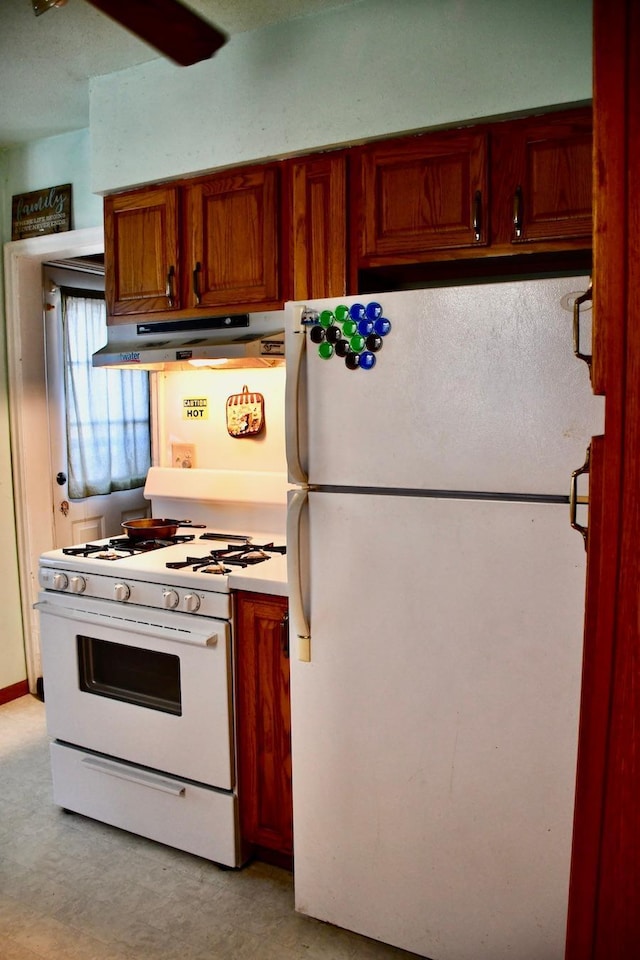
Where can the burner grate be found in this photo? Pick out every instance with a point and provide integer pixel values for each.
(144, 546)
(118, 548)
(244, 555)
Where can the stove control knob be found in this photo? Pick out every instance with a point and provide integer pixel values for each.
(170, 599)
(121, 591)
(77, 584)
(60, 581)
(191, 602)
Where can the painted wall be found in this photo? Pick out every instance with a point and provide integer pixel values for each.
(209, 439)
(47, 163)
(361, 71)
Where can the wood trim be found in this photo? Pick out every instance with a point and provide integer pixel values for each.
(23, 261)
(604, 899)
(274, 857)
(14, 692)
(618, 907)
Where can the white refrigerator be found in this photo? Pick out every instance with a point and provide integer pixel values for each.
(436, 609)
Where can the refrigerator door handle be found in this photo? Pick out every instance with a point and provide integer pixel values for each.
(574, 499)
(297, 616)
(587, 295)
(296, 347)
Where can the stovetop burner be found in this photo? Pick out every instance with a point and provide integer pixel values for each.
(243, 555)
(118, 548)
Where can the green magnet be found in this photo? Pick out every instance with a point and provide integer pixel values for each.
(325, 350)
(357, 343)
(342, 313)
(326, 318)
(350, 327)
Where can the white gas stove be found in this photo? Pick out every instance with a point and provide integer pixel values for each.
(186, 574)
(137, 652)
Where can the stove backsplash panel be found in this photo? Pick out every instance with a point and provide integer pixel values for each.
(192, 428)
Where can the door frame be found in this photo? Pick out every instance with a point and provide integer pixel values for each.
(604, 896)
(28, 418)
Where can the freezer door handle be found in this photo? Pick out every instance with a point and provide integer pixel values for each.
(296, 349)
(297, 616)
(574, 499)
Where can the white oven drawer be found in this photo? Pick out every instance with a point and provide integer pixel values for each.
(190, 817)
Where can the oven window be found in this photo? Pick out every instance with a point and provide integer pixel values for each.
(147, 678)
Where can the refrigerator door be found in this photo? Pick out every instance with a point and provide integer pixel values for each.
(475, 388)
(435, 728)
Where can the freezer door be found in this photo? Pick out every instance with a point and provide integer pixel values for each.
(474, 388)
(435, 727)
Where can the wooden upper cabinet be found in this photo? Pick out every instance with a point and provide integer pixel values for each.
(142, 251)
(418, 195)
(541, 173)
(318, 186)
(232, 240)
(249, 238)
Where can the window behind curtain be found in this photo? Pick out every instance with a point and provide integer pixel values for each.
(108, 438)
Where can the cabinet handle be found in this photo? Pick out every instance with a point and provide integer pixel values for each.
(587, 295)
(477, 215)
(170, 278)
(284, 636)
(196, 282)
(573, 496)
(517, 213)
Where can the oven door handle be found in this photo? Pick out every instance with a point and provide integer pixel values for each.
(142, 778)
(200, 635)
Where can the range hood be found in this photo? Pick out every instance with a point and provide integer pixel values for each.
(236, 340)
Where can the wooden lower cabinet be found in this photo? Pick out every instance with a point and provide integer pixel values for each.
(263, 727)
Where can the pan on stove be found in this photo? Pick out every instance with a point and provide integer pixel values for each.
(150, 528)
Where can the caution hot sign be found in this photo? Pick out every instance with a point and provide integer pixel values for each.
(195, 408)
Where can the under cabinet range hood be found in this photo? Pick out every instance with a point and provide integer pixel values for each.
(236, 340)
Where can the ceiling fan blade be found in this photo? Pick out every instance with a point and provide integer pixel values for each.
(167, 25)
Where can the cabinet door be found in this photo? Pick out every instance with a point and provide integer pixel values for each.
(542, 179)
(421, 194)
(264, 726)
(141, 251)
(319, 212)
(232, 239)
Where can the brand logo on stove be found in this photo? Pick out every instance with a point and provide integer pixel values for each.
(133, 356)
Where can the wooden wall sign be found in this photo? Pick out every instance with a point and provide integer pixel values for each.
(40, 212)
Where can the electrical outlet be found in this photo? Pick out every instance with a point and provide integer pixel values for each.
(183, 455)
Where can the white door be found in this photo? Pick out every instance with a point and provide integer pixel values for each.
(89, 518)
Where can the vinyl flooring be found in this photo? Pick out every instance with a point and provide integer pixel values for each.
(75, 889)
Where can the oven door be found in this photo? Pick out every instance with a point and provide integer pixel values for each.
(142, 685)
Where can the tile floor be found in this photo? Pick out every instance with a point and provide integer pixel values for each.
(75, 889)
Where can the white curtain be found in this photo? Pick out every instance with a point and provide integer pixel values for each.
(108, 442)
